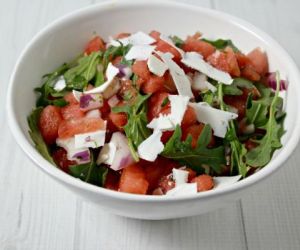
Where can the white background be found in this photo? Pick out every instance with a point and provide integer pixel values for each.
(38, 213)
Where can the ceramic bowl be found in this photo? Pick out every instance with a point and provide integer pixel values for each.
(66, 37)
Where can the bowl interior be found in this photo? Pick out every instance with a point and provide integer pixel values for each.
(63, 40)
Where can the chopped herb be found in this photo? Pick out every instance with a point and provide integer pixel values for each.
(136, 128)
(222, 44)
(165, 102)
(36, 136)
(177, 41)
(262, 154)
(196, 158)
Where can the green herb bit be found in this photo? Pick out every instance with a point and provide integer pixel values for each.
(36, 136)
(222, 44)
(136, 128)
(262, 154)
(197, 158)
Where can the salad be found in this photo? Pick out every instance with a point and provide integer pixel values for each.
(159, 115)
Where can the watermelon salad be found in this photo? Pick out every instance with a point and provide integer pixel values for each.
(160, 115)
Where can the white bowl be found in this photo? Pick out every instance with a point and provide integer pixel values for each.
(65, 38)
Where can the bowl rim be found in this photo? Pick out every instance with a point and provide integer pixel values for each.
(59, 175)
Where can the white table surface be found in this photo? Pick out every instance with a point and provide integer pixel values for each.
(38, 213)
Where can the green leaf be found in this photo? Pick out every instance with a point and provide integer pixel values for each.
(222, 44)
(136, 128)
(113, 52)
(257, 110)
(238, 150)
(36, 136)
(84, 71)
(177, 41)
(90, 172)
(262, 154)
(196, 158)
(46, 90)
(236, 87)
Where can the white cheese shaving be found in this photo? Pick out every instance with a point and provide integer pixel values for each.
(216, 118)
(111, 72)
(156, 66)
(139, 52)
(181, 81)
(77, 95)
(224, 181)
(69, 145)
(170, 42)
(138, 38)
(182, 190)
(180, 176)
(162, 122)
(107, 154)
(151, 147)
(196, 61)
(90, 140)
(60, 84)
(95, 113)
(168, 122)
(200, 82)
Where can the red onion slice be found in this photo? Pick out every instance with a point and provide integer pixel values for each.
(271, 78)
(90, 101)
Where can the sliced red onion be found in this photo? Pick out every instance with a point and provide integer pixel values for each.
(123, 156)
(113, 101)
(271, 78)
(82, 157)
(124, 71)
(90, 101)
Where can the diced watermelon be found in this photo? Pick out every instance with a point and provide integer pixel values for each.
(96, 44)
(69, 128)
(204, 182)
(49, 122)
(259, 61)
(193, 43)
(133, 180)
(72, 111)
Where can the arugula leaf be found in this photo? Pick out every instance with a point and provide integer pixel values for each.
(113, 52)
(262, 154)
(36, 136)
(90, 172)
(238, 150)
(136, 128)
(78, 76)
(235, 87)
(46, 90)
(197, 158)
(257, 110)
(222, 44)
(177, 41)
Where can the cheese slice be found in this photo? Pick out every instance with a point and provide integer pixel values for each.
(196, 61)
(224, 181)
(182, 82)
(200, 82)
(156, 66)
(90, 140)
(60, 84)
(111, 73)
(139, 52)
(107, 154)
(72, 152)
(178, 105)
(151, 147)
(138, 38)
(180, 176)
(170, 42)
(216, 118)
(77, 95)
(183, 190)
(162, 122)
